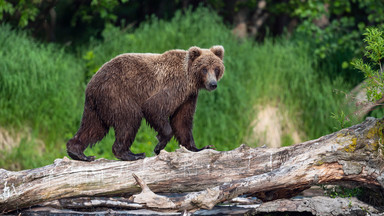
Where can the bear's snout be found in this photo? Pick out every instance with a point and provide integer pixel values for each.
(212, 85)
(210, 81)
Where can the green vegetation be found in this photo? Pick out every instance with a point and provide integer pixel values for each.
(339, 191)
(42, 86)
(335, 24)
(41, 89)
(27, 11)
(373, 71)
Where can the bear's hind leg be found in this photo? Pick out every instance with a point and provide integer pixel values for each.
(92, 130)
(125, 133)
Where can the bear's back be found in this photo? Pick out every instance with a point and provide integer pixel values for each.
(139, 75)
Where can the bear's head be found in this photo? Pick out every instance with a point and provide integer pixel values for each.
(206, 65)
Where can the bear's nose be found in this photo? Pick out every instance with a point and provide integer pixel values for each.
(213, 85)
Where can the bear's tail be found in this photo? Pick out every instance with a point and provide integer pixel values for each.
(92, 129)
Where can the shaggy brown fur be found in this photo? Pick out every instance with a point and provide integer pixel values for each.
(162, 88)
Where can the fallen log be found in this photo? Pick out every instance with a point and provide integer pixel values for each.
(318, 205)
(353, 155)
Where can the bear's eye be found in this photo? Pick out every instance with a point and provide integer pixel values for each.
(205, 71)
(217, 71)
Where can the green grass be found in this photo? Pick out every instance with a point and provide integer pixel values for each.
(50, 83)
(40, 92)
(286, 75)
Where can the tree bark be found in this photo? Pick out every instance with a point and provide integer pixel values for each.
(353, 155)
(318, 205)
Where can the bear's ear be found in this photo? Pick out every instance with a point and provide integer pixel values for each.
(218, 51)
(193, 53)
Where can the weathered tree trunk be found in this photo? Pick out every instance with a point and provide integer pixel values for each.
(350, 155)
(318, 205)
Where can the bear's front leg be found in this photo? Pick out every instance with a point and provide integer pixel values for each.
(158, 119)
(182, 124)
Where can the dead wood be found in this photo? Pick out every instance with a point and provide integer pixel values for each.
(350, 155)
(357, 99)
(80, 203)
(318, 205)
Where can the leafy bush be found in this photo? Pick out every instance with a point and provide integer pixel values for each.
(373, 71)
(335, 29)
(334, 25)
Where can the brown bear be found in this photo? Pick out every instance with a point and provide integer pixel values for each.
(162, 88)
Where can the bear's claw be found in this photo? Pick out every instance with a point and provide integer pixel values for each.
(80, 156)
(158, 149)
(208, 147)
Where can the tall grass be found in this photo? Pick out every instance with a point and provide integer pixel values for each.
(41, 89)
(43, 86)
(286, 75)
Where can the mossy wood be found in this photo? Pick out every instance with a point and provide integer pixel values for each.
(353, 155)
